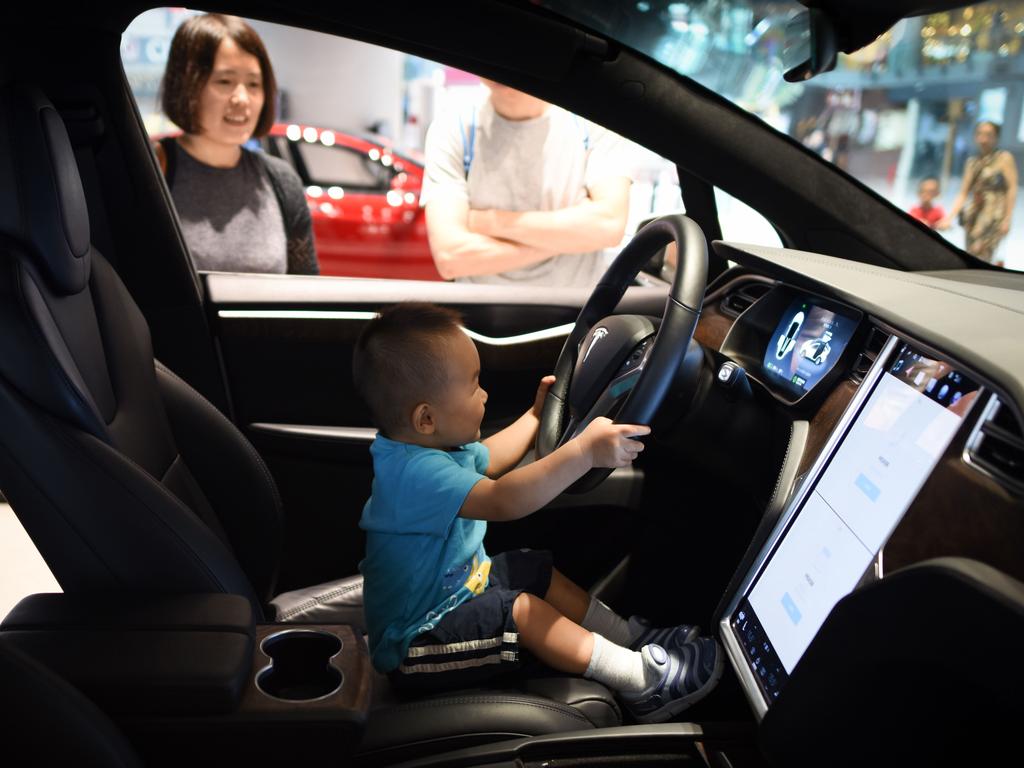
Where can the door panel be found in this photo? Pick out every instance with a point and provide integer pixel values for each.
(286, 344)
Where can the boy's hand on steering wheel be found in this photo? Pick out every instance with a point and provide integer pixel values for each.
(542, 392)
(610, 445)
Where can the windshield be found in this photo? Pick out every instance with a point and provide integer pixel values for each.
(929, 115)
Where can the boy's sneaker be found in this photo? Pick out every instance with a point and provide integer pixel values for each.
(669, 638)
(690, 674)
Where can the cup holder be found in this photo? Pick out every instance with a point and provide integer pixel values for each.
(300, 665)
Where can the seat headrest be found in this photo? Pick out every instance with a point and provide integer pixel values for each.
(42, 202)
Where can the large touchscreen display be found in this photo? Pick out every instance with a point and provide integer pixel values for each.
(806, 344)
(889, 451)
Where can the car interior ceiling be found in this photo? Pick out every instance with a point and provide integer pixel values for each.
(711, 141)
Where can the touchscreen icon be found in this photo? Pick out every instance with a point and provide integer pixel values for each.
(786, 341)
(790, 607)
(919, 378)
(944, 391)
(931, 385)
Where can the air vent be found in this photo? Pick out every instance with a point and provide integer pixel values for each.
(997, 445)
(738, 301)
(876, 340)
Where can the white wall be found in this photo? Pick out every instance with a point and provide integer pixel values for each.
(333, 82)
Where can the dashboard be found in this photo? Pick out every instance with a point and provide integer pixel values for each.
(906, 431)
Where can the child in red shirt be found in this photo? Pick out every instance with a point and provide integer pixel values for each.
(925, 212)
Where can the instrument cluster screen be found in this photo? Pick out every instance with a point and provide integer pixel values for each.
(807, 342)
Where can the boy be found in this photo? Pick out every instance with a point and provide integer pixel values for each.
(440, 612)
(924, 211)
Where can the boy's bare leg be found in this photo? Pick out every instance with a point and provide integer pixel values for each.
(551, 636)
(589, 613)
(566, 597)
(566, 646)
(571, 601)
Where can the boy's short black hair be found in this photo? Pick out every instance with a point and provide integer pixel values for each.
(399, 360)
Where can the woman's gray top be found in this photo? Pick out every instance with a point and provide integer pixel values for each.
(250, 218)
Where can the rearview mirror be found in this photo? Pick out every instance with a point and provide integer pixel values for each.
(810, 45)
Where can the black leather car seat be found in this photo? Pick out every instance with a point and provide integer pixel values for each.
(127, 480)
(48, 722)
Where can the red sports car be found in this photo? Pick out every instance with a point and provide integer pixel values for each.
(365, 201)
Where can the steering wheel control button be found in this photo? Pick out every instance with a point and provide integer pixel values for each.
(620, 388)
(727, 373)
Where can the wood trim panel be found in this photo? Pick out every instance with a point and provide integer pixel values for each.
(713, 326)
(825, 421)
(960, 512)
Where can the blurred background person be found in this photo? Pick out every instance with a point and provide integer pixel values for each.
(926, 210)
(519, 191)
(987, 195)
(240, 210)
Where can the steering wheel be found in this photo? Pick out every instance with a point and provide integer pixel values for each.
(621, 366)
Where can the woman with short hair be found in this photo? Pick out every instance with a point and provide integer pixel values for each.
(240, 210)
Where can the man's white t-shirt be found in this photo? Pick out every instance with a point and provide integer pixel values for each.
(541, 164)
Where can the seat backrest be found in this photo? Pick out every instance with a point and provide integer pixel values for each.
(92, 464)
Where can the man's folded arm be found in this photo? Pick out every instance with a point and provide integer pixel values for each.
(592, 224)
(459, 252)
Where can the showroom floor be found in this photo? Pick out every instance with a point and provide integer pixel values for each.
(22, 570)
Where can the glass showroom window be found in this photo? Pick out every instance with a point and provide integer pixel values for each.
(359, 146)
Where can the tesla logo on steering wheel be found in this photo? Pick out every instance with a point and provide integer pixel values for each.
(599, 334)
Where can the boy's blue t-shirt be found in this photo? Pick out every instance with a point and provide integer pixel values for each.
(422, 559)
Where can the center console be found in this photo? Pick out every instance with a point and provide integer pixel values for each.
(194, 676)
(904, 416)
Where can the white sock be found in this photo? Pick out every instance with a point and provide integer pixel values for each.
(602, 620)
(619, 668)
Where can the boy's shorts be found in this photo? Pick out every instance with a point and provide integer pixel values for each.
(478, 640)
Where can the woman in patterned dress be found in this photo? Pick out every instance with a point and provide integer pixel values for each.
(987, 196)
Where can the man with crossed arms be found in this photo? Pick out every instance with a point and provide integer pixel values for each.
(521, 192)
